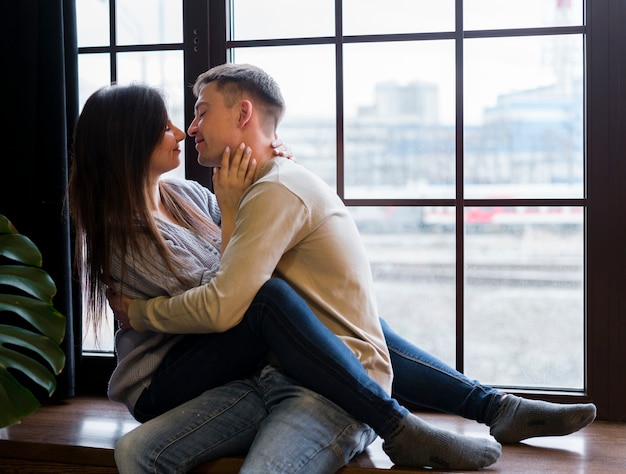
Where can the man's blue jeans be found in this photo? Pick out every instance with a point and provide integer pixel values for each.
(285, 428)
(280, 321)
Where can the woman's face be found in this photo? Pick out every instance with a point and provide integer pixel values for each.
(166, 155)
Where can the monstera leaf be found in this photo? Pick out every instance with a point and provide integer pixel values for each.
(26, 293)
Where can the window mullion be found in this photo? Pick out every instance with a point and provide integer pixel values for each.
(459, 228)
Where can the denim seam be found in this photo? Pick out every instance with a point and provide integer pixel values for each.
(178, 437)
(494, 401)
(434, 367)
(335, 446)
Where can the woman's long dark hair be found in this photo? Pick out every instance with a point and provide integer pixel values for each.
(114, 137)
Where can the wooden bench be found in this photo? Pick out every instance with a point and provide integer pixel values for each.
(78, 436)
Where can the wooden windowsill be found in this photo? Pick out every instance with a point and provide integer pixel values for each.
(78, 436)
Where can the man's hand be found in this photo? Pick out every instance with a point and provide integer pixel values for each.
(119, 303)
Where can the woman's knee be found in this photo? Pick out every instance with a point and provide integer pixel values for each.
(275, 287)
(273, 299)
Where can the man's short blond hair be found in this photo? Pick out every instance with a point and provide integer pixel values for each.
(245, 81)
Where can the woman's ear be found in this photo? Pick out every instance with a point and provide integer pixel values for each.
(245, 112)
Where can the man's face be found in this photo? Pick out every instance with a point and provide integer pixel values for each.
(214, 126)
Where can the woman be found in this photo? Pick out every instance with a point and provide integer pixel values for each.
(149, 237)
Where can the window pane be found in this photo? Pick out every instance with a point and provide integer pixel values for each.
(498, 14)
(524, 122)
(524, 304)
(93, 73)
(92, 23)
(413, 267)
(105, 339)
(306, 76)
(149, 21)
(164, 70)
(399, 119)
(262, 19)
(369, 17)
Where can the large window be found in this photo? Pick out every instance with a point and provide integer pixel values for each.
(454, 132)
(471, 139)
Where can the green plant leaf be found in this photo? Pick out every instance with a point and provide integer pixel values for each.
(20, 248)
(29, 367)
(21, 349)
(6, 227)
(16, 401)
(32, 280)
(40, 314)
(42, 345)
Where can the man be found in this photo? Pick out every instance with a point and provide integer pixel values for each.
(288, 223)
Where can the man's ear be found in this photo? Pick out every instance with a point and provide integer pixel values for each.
(245, 113)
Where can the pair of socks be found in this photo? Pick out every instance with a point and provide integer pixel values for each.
(520, 418)
(416, 443)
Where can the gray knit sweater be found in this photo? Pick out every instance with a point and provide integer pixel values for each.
(139, 354)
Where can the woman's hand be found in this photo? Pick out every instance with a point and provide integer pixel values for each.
(280, 149)
(229, 183)
(233, 178)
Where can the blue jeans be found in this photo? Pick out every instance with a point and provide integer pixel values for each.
(280, 321)
(424, 380)
(284, 428)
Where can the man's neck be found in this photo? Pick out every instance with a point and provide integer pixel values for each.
(262, 150)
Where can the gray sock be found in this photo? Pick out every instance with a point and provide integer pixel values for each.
(520, 418)
(416, 443)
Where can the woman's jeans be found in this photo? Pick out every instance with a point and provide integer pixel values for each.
(280, 321)
(283, 427)
(423, 380)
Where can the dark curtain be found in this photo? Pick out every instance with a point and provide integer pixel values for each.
(40, 105)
